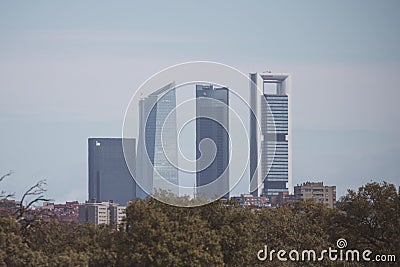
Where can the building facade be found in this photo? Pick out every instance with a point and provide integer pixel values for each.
(270, 157)
(101, 213)
(212, 122)
(317, 192)
(117, 213)
(109, 176)
(157, 146)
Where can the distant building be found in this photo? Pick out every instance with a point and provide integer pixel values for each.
(157, 123)
(281, 198)
(63, 212)
(316, 191)
(212, 114)
(250, 200)
(101, 213)
(117, 213)
(96, 213)
(270, 143)
(109, 176)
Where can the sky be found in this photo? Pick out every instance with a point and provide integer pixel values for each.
(69, 68)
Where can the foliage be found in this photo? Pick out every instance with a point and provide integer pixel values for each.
(217, 234)
(370, 218)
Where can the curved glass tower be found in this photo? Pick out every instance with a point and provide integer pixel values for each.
(154, 168)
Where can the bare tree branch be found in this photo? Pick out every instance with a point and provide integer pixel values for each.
(39, 198)
(3, 193)
(6, 175)
(35, 190)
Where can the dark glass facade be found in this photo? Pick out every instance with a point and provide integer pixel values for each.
(109, 176)
(207, 114)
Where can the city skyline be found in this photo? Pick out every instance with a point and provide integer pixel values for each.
(63, 80)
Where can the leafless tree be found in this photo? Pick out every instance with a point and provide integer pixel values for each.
(3, 194)
(31, 196)
(34, 194)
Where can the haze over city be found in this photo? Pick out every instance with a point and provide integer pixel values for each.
(68, 71)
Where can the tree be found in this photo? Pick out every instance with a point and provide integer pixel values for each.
(13, 250)
(162, 235)
(33, 195)
(370, 218)
(3, 194)
(216, 234)
(299, 227)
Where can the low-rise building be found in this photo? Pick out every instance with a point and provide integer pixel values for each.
(317, 192)
(250, 200)
(281, 198)
(101, 213)
(63, 212)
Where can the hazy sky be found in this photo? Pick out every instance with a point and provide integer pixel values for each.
(68, 70)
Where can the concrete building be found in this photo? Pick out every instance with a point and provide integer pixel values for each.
(270, 142)
(212, 122)
(109, 176)
(117, 213)
(101, 213)
(157, 123)
(316, 191)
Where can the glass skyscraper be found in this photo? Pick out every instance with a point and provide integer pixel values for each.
(270, 140)
(212, 114)
(276, 147)
(109, 176)
(157, 123)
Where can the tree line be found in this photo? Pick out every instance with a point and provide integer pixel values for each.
(217, 234)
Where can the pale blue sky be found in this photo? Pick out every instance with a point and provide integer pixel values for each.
(68, 70)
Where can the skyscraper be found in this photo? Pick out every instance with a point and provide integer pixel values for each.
(157, 147)
(212, 122)
(109, 176)
(271, 138)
